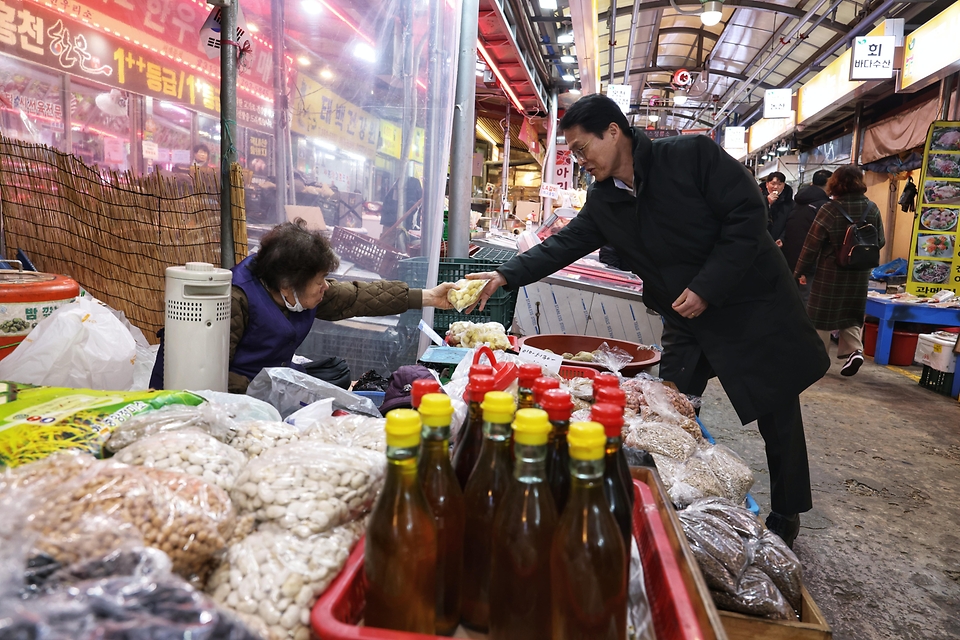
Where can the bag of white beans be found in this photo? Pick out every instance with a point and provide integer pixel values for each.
(211, 418)
(190, 451)
(309, 487)
(257, 436)
(277, 577)
(350, 431)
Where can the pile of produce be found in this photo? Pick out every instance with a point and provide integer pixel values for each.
(473, 334)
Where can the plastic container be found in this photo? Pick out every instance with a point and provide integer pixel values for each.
(643, 357)
(26, 298)
(870, 330)
(375, 396)
(935, 350)
(937, 381)
(903, 347)
(568, 372)
(365, 252)
(340, 608)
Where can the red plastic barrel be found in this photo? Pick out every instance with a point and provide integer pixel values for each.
(26, 298)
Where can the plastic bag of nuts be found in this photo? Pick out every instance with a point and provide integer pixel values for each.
(277, 577)
(211, 418)
(87, 507)
(309, 487)
(350, 431)
(190, 451)
(257, 436)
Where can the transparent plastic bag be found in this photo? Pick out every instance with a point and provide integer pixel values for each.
(241, 407)
(277, 577)
(466, 293)
(733, 474)
(310, 487)
(210, 418)
(350, 431)
(289, 390)
(613, 358)
(743, 521)
(475, 334)
(256, 436)
(639, 618)
(722, 554)
(777, 560)
(660, 437)
(666, 401)
(87, 508)
(756, 596)
(190, 451)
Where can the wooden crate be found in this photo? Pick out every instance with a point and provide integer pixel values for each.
(812, 624)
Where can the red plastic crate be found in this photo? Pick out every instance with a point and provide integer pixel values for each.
(339, 609)
(569, 371)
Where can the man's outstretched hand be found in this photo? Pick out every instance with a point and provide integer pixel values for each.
(496, 281)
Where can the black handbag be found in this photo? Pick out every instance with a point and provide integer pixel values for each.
(909, 196)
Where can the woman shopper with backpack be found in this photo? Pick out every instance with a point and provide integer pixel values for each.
(839, 294)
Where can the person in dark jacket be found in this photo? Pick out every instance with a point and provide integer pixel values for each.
(779, 203)
(838, 297)
(279, 291)
(687, 218)
(807, 202)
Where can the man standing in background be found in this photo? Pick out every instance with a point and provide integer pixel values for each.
(807, 202)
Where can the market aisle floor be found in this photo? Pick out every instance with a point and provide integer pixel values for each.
(881, 548)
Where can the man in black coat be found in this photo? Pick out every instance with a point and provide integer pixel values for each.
(779, 202)
(807, 202)
(689, 219)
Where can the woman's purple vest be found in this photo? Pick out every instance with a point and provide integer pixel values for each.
(271, 337)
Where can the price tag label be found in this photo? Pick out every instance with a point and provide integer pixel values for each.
(433, 335)
(550, 191)
(549, 361)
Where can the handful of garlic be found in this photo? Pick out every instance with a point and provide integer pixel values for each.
(466, 293)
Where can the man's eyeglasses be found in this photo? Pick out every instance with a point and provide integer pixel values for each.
(578, 153)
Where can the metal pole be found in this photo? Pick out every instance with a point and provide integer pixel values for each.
(409, 112)
(464, 134)
(550, 163)
(857, 133)
(613, 38)
(505, 187)
(280, 114)
(228, 127)
(946, 91)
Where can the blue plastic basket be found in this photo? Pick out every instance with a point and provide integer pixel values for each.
(751, 503)
(375, 396)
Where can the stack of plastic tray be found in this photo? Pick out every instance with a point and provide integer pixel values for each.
(365, 252)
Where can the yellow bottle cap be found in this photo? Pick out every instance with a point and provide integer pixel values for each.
(586, 440)
(403, 428)
(531, 426)
(435, 410)
(498, 407)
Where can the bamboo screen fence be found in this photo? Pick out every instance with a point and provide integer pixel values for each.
(114, 233)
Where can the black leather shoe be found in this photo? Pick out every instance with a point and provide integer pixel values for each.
(787, 527)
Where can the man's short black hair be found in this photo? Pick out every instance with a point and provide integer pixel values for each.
(776, 174)
(291, 256)
(820, 177)
(593, 114)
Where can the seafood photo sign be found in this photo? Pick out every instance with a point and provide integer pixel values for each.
(935, 254)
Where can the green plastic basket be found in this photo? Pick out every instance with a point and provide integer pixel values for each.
(500, 307)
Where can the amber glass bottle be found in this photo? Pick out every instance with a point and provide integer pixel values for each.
(522, 534)
(445, 498)
(588, 567)
(528, 374)
(616, 491)
(481, 498)
(466, 450)
(617, 397)
(400, 556)
(558, 405)
(541, 385)
(422, 387)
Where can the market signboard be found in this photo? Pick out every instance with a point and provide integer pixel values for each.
(935, 255)
(259, 151)
(932, 50)
(37, 34)
(873, 57)
(325, 115)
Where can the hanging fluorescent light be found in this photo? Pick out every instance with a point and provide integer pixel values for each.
(365, 52)
(252, 28)
(711, 13)
(311, 7)
(326, 74)
(304, 61)
(680, 98)
(565, 38)
(567, 59)
(568, 77)
(550, 5)
(654, 117)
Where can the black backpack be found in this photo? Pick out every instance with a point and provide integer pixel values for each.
(861, 247)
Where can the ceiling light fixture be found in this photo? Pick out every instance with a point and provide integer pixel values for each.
(304, 61)
(252, 28)
(365, 52)
(680, 98)
(496, 71)
(568, 77)
(654, 117)
(567, 59)
(326, 74)
(565, 38)
(312, 7)
(712, 12)
(784, 146)
(550, 5)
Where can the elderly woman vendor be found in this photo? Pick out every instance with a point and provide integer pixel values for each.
(279, 291)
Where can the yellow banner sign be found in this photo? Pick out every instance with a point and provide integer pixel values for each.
(390, 139)
(325, 115)
(932, 48)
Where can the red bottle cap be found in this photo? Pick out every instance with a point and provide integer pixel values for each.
(478, 387)
(542, 384)
(422, 387)
(481, 370)
(557, 403)
(610, 416)
(529, 373)
(610, 395)
(605, 380)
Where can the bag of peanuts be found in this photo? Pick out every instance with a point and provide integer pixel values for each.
(350, 431)
(86, 508)
(309, 487)
(211, 418)
(189, 451)
(277, 577)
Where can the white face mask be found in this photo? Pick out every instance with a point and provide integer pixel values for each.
(297, 308)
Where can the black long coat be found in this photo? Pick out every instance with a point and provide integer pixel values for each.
(699, 223)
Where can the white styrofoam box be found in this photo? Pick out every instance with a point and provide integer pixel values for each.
(936, 351)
